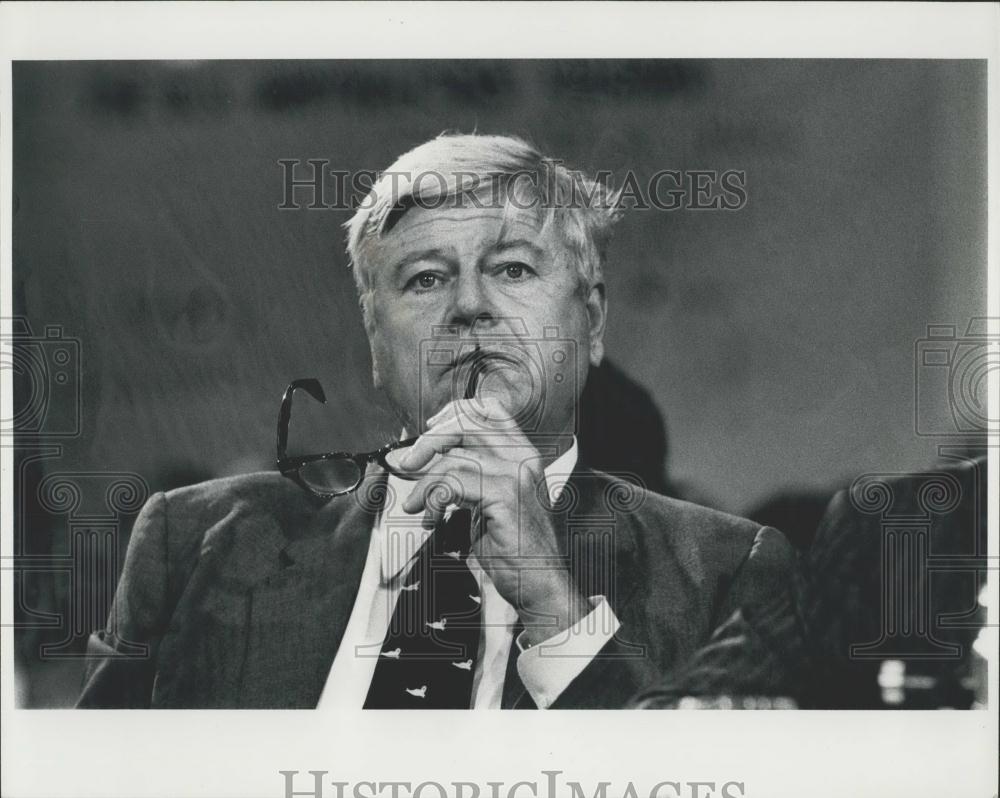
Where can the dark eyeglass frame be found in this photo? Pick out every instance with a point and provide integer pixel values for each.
(291, 466)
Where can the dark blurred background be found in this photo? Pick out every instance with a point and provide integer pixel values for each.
(776, 342)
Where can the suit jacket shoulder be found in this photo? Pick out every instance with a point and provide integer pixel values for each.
(702, 542)
(674, 571)
(221, 581)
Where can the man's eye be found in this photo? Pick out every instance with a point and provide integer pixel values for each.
(516, 271)
(424, 280)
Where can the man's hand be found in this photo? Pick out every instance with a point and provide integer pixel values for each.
(472, 456)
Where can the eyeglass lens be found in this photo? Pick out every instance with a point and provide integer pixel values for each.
(332, 475)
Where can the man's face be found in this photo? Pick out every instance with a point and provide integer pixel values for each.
(497, 279)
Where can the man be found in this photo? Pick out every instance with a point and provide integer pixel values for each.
(485, 569)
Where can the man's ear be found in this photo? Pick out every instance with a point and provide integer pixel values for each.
(597, 316)
(376, 378)
(369, 322)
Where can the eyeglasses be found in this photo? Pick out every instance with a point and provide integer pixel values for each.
(332, 473)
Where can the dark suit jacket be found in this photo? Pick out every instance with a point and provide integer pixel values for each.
(894, 573)
(236, 592)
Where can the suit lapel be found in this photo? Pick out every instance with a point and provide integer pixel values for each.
(595, 533)
(300, 606)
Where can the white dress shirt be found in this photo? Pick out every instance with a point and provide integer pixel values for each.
(396, 539)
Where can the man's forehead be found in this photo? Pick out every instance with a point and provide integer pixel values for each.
(480, 227)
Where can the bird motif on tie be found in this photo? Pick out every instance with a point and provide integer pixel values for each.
(437, 621)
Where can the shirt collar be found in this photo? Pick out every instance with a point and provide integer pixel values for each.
(400, 534)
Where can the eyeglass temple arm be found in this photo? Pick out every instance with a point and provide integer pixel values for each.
(312, 387)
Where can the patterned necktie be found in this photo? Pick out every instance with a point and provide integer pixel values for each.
(429, 655)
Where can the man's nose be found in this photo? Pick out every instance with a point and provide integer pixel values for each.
(471, 303)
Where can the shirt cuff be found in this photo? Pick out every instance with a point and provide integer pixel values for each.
(548, 668)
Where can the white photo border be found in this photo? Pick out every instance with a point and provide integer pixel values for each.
(240, 753)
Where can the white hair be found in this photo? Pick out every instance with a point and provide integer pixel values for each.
(453, 167)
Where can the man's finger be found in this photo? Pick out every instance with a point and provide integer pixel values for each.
(440, 441)
(447, 429)
(456, 480)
